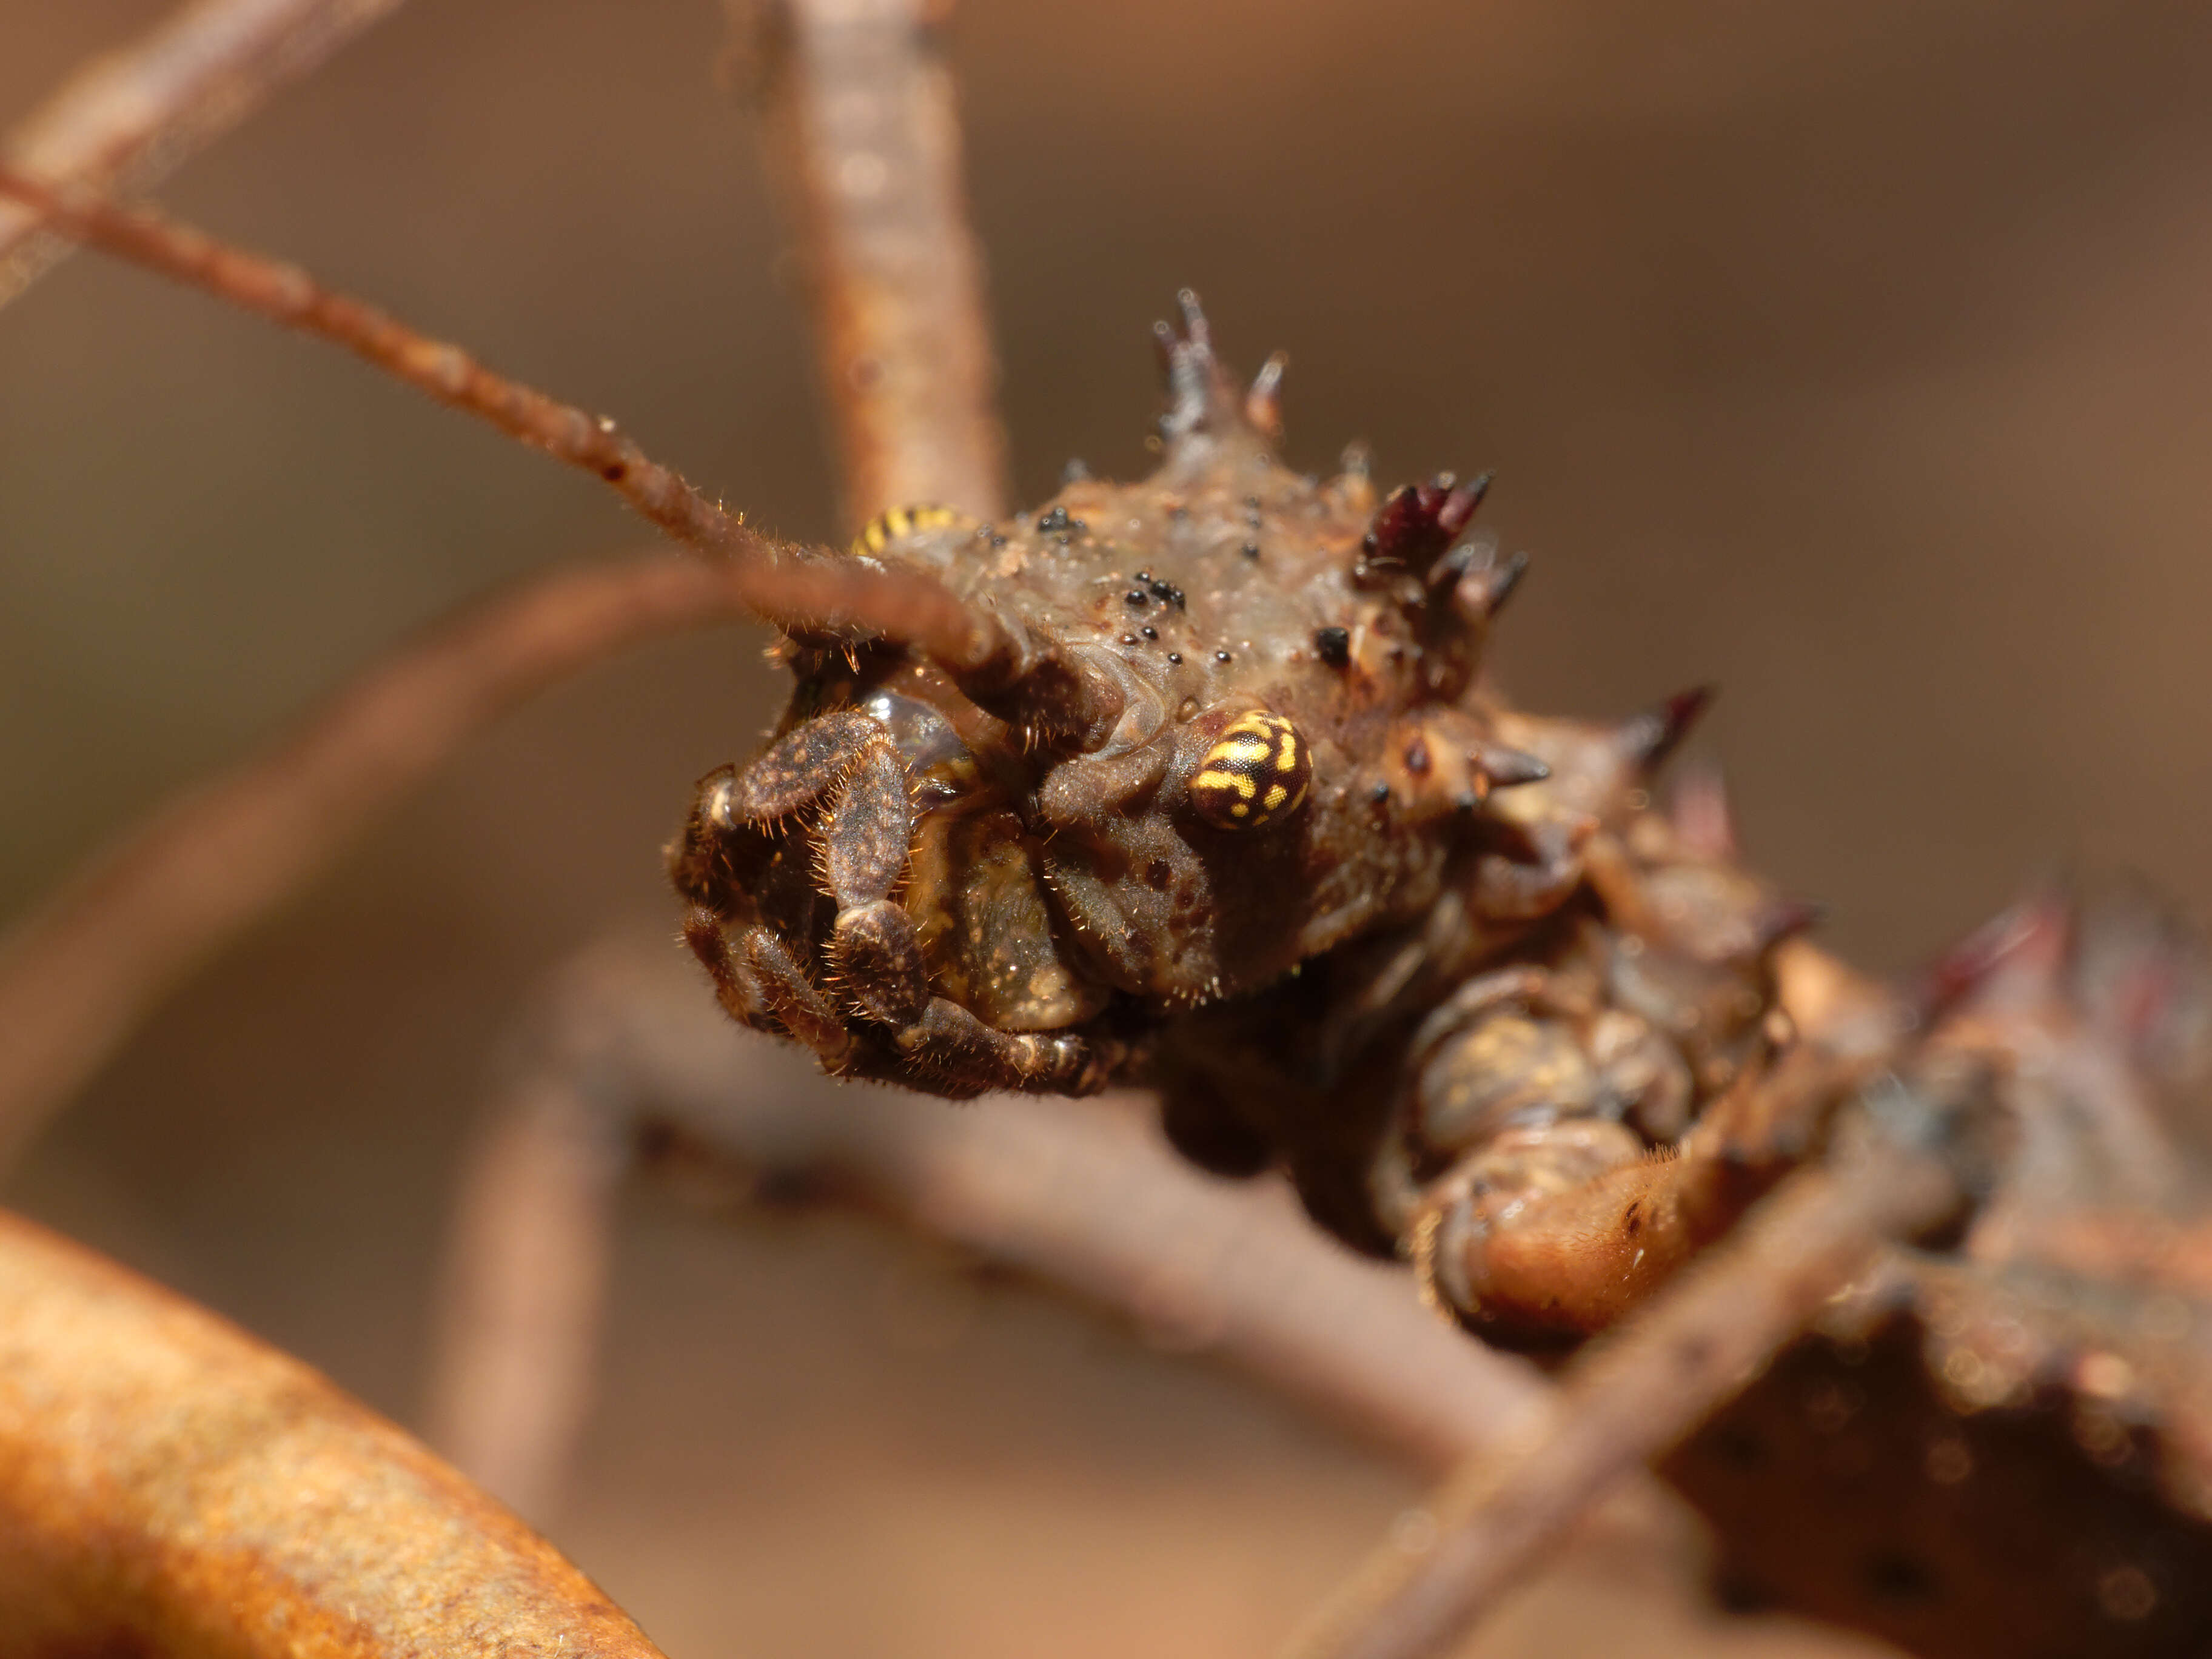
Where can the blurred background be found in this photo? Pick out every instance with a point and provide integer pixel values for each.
(1855, 356)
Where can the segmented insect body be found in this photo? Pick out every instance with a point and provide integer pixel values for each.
(1495, 1010)
(1195, 783)
(1236, 817)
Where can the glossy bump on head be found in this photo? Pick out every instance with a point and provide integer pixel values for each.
(1257, 774)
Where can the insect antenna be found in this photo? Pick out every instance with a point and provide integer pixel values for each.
(803, 589)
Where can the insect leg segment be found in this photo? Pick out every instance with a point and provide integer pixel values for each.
(865, 835)
(795, 1001)
(1555, 1214)
(848, 760)
(847, 765)
(959, 1056)
(1556, 1231)
(734, 988)
(1559, 1229)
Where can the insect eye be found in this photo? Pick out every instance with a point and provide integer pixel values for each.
(1258, 773)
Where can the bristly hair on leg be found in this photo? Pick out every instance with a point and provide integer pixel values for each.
(804, 589)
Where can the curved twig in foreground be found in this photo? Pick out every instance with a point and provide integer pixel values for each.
(78, 975)
(168, 1485)
(128, 117)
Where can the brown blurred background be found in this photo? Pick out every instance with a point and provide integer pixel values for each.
(1856, 356)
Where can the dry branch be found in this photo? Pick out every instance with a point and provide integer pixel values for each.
(1628, 1400)
(125, 118)
(78, 975)
(787, 585)
(1081, 1194)
(168, 1485)
(865, 148)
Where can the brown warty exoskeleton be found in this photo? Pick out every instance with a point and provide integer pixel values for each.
(1234, 815)
(1195, 784)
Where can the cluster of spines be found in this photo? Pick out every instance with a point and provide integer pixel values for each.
(1415, 533)
(1417, 525)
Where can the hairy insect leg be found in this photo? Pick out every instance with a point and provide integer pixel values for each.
(699, 858)
(796, 1002)
(846, 763)
(961, 1056)
(734, 988)
(760, 984)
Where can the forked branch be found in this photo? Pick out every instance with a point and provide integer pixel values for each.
(127, 118)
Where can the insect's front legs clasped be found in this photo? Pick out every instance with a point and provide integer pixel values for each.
(845, 764)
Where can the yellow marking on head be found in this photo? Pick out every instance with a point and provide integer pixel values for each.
(1255, 773)
(889, 526)
(1211, 781)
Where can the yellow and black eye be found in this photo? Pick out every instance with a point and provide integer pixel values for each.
(1258, 773)
(887, 527)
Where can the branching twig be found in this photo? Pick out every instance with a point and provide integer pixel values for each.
(1083, 1196)
(78, 974)
(169, 1485)
(787, 585)
(127, 118)
(867, 151)
(1632, 1397)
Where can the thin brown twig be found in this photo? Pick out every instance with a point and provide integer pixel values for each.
(865, 148)
(78, 974)
(168, 1485)
(130, 116)
(1083, 1196)
(522, 1297)
(786, 585)
(1631, 1398)
(863, 143)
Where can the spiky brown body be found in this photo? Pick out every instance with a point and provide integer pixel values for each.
(1233, 814)
(1533, 1040)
